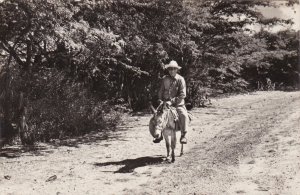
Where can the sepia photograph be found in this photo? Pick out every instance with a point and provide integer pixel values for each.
(149, 97)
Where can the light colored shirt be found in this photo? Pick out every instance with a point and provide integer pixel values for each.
(173, 89)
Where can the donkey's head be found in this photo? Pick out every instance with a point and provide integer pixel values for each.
(159, 120)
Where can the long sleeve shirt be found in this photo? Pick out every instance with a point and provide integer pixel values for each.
(173, 89)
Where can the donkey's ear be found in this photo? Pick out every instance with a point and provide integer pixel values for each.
(152, 108)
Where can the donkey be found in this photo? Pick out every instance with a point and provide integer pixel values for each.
(163, 123)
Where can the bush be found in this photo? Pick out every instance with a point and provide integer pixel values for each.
(49, 118)
(69, 110)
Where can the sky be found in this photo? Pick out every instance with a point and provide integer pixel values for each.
(283, 12)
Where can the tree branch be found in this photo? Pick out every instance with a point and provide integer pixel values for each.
(11, 51)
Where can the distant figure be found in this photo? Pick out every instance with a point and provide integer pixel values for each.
(173, 91)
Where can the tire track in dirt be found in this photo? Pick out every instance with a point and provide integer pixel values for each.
(274, 166)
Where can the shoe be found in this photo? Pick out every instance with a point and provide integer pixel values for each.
(157, 140)
(183, 140)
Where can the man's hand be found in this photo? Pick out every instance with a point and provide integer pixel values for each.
(168, 103)
(173, 100)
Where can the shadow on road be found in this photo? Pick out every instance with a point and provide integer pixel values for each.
(131, 164)
(88, 139)
(17, 151)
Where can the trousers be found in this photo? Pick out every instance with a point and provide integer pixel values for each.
(183, 119)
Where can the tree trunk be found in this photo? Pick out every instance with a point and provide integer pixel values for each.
(23, 127)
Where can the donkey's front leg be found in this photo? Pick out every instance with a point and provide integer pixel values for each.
(168, 149)
(173, 145)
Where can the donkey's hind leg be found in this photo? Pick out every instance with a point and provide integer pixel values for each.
(181, 151)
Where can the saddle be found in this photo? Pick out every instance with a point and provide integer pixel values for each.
(175, 116)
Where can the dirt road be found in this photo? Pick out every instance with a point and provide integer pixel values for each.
(245, 144)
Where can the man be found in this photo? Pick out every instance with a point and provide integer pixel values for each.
(173, 91)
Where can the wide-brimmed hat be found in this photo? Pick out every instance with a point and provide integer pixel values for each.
(172, 64)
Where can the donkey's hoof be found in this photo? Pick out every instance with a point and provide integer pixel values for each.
(168, 159)
(181, 154)
(173, 158)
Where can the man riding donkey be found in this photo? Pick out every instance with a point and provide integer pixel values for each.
(173, 91)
